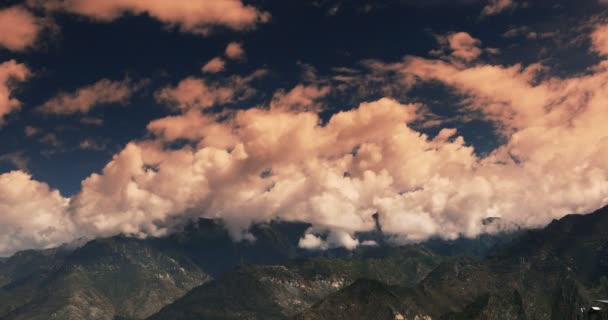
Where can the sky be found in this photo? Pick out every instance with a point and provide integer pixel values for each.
(137, 116)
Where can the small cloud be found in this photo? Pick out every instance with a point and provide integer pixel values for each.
(91, 144)
(11, 73)
(495, 7)
(86, 98)
(51, 140)
(19, 29)
(214, 65)
(31, 131)
(312, 242)
(235, 51)
(92, 121)
(16, 159)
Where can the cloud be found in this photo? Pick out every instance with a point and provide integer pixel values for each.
(599, 39)
(195, 16)
(19, 29)
(84, 99)
(11, 73)
(32, 214)
(235, 51)
(92, 144)
(51, 139)
(332, 239)
(495, 7)
(193, 92)
(300, 97)
(92, 121)
(461, 45)
(16, 159)
(214, 65)
(31, 131)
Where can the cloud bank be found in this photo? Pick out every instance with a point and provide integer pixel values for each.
(281, 161)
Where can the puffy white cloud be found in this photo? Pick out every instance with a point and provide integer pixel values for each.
(86, 98)
(31, 214)
(19, 29)
(195, 16)
(334, 239)
(315, 175)
(312, 242)
(11, 72)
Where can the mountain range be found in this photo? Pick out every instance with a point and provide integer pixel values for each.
(200, 273)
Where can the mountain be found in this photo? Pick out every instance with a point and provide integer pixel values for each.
(132, 278)
(104, 278)
(364, 299)
(277, 292)
(544, 274)
(128, 278)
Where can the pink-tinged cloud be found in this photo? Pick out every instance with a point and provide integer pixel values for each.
(599, 39)
(300, 97)
(495, 7)
(366, 160)
(32, 215)
(195, 16)
(11, 73)
(235, 51)
(84, 99)
(464, 46)
(193, 92)
(19, 29)
(214, 65)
